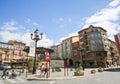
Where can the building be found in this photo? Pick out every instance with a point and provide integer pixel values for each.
(76, 52)
(91, 47)
(93, 43)
(59, 51)
(117, 40)
(19, 56)
(57, 54)
(6, 53)
(54, 55)
(112, 53)
(68, 48)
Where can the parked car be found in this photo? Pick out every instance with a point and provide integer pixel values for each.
(7, 66)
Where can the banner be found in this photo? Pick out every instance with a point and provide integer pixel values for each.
(32, 49)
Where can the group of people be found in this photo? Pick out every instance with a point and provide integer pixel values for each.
(9, 73)
(43, 70)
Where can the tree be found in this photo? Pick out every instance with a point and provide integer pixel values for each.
(30, 65)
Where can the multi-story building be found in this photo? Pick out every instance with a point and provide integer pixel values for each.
(76, 52)
(93, 43)
(59, 51)
(112, 53)
(55, 54)
(91, 47)
(6, 54)
(18, 54)
(68, 49)
(117, 40)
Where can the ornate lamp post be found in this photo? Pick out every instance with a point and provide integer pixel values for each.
(36, 38)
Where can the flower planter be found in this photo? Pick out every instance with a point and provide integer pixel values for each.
(78, 73)
(100, 70)
(93, 71)
(30, 70)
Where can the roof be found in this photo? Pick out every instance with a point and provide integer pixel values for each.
(39, 49)
(92, 27)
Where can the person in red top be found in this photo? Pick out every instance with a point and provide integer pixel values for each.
(43, 69)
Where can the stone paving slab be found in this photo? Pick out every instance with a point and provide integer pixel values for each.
(60, 75)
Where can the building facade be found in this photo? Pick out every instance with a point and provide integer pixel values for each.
(55, 54)
(117, 40)
(112, 54)
(6, 53)
(19, 56)
(59, 51)
(93, 43)
(91, 47)
(76, 52)
(68, 49)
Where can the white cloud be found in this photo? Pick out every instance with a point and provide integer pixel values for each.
(9, 26)
(106, 18)
(6, 35)
(111, 14)
(28, 20)
(23, 36)
(114, 3)
(45, 42)
(33, 23)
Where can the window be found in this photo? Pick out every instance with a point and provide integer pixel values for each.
(92, 30)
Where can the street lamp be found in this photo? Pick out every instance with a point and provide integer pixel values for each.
(36, 38)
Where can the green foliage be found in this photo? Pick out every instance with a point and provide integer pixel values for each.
(100, 69)
(93, 71)
(30, 63)
(79, 67)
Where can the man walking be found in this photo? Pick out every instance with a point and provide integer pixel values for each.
(4, 73)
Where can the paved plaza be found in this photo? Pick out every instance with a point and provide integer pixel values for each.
(55, 77)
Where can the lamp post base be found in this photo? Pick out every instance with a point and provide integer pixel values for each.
(34, 70)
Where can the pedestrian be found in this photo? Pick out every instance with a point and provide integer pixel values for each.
(43, 69)
(13, 74)
(4, 73)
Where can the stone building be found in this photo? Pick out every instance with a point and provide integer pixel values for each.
(6, 53)
(93, 42)
(68, 49)
(117, 41)
(112, 53)
(19, 56)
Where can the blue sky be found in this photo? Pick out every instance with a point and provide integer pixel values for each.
(56, 19)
